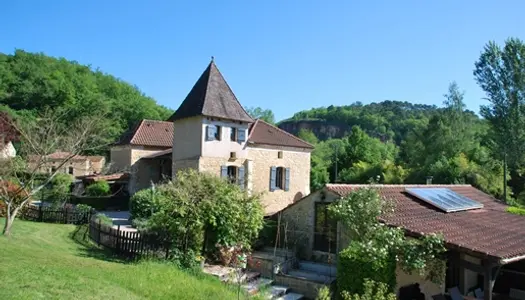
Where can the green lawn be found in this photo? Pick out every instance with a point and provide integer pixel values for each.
(48, 261)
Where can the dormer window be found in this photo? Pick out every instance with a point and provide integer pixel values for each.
(213, 133)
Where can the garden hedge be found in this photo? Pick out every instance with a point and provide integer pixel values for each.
(103, 203)
(354, 267)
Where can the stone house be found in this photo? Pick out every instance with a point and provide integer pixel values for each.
(211, 132)
(485, 244)
(77, 166)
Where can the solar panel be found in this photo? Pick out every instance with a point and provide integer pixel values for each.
(444, 199)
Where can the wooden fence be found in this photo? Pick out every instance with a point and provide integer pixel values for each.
(57, 215)
(130, 244)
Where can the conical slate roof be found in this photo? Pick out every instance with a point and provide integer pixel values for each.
(211, 96)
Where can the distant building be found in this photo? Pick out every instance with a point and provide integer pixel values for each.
(211, 132)
(77, 166)
(7, 150)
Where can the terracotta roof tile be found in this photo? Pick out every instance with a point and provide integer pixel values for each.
(267, 134)
(490, 231)
(149, 133)
(211, 96)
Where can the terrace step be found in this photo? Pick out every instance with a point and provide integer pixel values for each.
(254, 286)
(277, 291)
(320, 268)
(291, 296)
(311, 276)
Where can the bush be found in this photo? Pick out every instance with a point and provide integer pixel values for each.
(144, 203)
(82, 208)
(324, 294)
(12, 192)
(59, 188)
(104, 220)
(201, 209)
(371, 291)
(98, 189)
(354, 266)
(103, 203)
(516, 210)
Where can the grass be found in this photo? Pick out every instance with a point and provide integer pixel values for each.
(53, 261)
(516, 210)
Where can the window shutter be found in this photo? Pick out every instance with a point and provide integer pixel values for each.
(224, 172)
(210, 133)
(273, 175)
(241, 135)
(241, 177)
(287, 179)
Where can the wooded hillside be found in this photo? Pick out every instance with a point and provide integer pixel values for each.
(33, 82)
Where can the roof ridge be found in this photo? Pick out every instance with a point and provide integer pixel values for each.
(397, 185)
(287, 133)
(227, 85)
(252, 129)
(156, 121)
(139, 126)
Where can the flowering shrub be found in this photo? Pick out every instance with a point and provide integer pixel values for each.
(10, 191)
(376, 248)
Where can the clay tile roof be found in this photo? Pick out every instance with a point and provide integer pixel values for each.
(267, 134)
(95, 158)
(149, 133)
(211, 96)
(490, 231)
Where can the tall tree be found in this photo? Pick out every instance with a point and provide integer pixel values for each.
(21, 178)
(263, 114)
(500, 72)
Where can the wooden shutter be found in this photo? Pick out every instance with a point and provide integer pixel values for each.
(287, 179)
(240, 178)
(210, 132)
(241, 135)
(273, 175)
(224, 172)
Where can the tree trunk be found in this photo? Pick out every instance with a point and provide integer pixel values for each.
(7, 225)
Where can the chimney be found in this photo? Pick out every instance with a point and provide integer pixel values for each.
(429, 180)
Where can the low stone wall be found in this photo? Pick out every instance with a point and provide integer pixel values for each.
(308, 288)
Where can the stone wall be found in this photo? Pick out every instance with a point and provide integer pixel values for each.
(299, 218)
(299, 163)
(120, 158)
(309, 289)
(179, 165)
(213, 164)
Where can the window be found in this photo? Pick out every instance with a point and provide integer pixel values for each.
(213, 133)
(218, 133)
(233, 134)
(325, 229)
(53, 169)
(232, 174)
(70, 170)
(279, 178)
(280, 154)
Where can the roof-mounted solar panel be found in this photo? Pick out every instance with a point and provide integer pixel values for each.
(444, 199)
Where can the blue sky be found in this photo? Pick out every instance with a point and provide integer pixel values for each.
(283, 55)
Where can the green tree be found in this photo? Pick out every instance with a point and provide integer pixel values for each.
(308, 136)
(59, 189)
(500, 72)
(98, 189)
(263, 114)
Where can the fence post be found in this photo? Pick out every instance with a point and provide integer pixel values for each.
(40, 213)
(65, 215)
(118, 238)
(98, 240)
